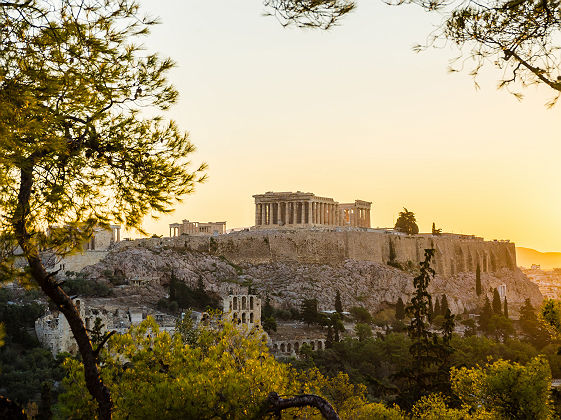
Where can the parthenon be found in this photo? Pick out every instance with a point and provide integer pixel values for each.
(300, 209)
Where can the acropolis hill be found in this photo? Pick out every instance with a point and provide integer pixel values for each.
(308, 246)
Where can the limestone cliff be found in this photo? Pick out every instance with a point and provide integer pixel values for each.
(290, 266)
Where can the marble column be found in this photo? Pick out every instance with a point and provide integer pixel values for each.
(316, 213)
(303, 213)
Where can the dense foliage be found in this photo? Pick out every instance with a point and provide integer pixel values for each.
(25, 367)
(406, 223)
(225, 373)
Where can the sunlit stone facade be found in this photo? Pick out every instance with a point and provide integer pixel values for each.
(299, 209)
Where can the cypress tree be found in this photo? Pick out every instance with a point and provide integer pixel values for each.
(506, 308)
(399, 309)
(338, 303)
(437, 308)
(329, 338)
(478, 280)
(497, 307)
(443, 305)
(485, 315)
(427, 372)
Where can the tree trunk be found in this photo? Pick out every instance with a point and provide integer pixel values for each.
(277, 404)
(62, 301)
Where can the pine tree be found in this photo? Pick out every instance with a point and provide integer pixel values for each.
(437, 310)
(478, 280)
(497, 307)
(399, 309)
(506, 308)
(427, 373)
(309, 311)
(443, 305)
(338, 303)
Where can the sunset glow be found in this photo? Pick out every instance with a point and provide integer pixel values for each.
(355, 113)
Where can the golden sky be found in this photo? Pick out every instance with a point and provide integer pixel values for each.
(354, 113)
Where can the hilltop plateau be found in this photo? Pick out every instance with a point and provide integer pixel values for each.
(370, 283)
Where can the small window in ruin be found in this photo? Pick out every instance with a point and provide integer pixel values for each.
(235, 303)
(251, 303)
(251, 317)
(243, 318)
(244, 302)
(320, 345)
(283, 348)
(289, 348)
(313, 345)
(275, 346)
(296, 346)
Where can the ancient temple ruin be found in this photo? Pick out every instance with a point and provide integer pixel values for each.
(299, 209)
(187, 227)
(243, 310)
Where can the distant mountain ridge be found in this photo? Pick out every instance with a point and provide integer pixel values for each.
(525, 257)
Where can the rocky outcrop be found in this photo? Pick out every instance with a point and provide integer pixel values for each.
(360, 282)
(454, 253)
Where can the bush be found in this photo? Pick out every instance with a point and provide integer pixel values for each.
(361, 314)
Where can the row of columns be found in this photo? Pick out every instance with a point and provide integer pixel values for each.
(358, 217)
(296, 213)
(174, 230)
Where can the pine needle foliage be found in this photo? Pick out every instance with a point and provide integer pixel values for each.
(429, 369)
(84, 142)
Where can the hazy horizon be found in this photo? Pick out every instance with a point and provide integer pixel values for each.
(354, 113)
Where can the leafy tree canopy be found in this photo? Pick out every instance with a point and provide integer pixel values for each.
(406, 222)
(83, 141)
(508, 389)
(224, 374)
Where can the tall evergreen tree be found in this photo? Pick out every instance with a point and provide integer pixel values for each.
(497, 307)
(478, 280)
(505, 311)
(485, 315)
(437, 310)
(338, 303)
(309, 311)
(329, 338)
(443, 305)
(399, 309)
(447, 349)
(426, 373)
(75, 149)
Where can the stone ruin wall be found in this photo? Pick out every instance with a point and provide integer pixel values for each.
(454, 254)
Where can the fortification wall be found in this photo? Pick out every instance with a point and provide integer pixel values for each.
(454, 254)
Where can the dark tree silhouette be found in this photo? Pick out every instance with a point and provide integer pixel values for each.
(478, 280)
(406, 222)
(400, 309)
